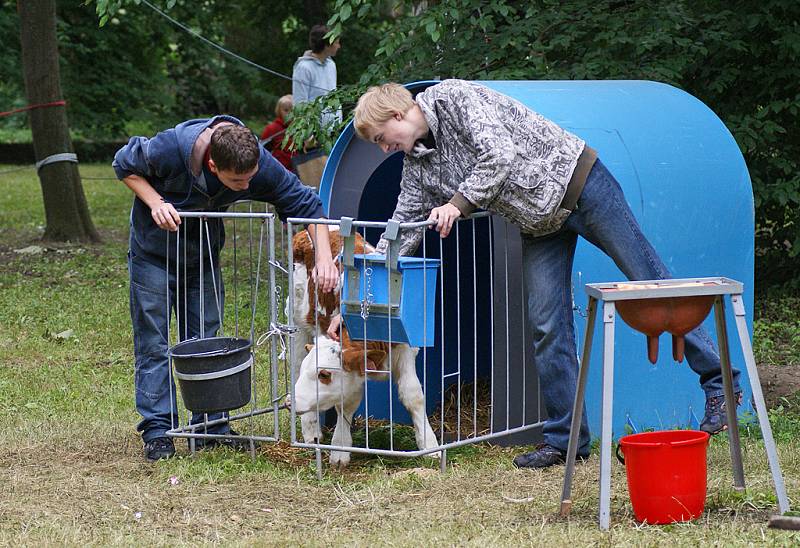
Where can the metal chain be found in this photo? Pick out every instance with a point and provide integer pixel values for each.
(367, 301)
(279, 304)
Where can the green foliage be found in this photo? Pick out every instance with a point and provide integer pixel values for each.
(305, 119)
(200, 79)
(11, 89)
(749, 77)
(113, 74)
(740, 58)
(108, 75)
(776, 330)
(785, 419)
(195, 78)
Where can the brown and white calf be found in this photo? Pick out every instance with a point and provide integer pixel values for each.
(332, 375)
(323, 380)
(312, 308)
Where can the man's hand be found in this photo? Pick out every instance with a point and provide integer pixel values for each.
(444, 216)
(325, 274)
(333, 328)
(166, 216)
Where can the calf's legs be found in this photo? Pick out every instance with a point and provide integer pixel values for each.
(342, 435)
(410, 392)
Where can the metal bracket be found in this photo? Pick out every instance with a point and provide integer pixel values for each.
(391, 235)
(392, 230)
(348, 240)
(346, 226)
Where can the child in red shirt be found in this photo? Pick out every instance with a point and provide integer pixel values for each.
(274, 133)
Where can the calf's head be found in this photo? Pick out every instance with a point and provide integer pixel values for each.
(329, 376)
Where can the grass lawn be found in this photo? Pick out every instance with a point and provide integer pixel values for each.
(72, 472)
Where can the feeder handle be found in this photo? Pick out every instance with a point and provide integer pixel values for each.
(620, 458)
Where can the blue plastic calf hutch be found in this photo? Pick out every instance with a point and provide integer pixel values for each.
(687, 184)
(391, 304)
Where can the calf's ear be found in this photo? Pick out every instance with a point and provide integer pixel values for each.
(353, 360)
(375, 359)
(309, 347)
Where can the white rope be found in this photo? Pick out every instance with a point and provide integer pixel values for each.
(279, 331)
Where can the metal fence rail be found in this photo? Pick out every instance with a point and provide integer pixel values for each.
(469, 379)
(473, 348)
(255, 278)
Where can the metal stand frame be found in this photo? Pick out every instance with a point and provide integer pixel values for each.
(609, 293)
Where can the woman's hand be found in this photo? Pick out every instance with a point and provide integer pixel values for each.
(444, 216)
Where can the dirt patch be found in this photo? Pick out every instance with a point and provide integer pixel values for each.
(282, 451)
(778, 381)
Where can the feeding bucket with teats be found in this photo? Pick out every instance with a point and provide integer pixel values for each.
(677, 314)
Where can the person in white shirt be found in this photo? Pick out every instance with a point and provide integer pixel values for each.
(314, 72)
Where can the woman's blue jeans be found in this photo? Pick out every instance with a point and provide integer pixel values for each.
(604, 218)
(153, 300)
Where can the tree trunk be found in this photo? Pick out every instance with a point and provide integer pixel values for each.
(66, 213)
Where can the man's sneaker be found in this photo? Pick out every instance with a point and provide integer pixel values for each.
(158, 448)
(232, 443)
(544, 456)
(716, 417)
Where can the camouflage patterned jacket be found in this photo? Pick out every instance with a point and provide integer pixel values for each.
(491, 152)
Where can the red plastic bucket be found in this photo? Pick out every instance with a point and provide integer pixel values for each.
(666, 474)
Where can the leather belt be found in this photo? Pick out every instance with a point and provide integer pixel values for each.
(575, 186)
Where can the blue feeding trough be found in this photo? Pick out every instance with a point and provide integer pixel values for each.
(688, 186)
(381, 303)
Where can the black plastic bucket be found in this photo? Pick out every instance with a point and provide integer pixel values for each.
(214, 374)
